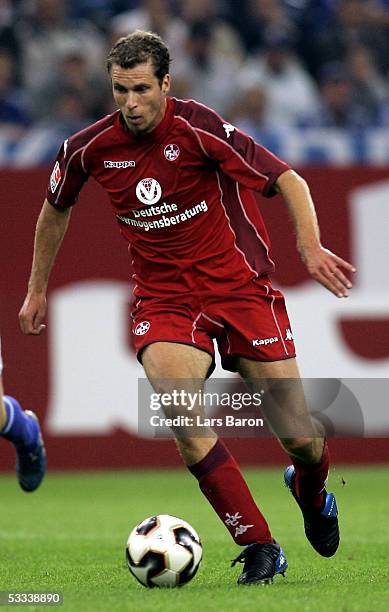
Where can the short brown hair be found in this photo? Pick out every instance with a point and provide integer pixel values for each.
(138, 48)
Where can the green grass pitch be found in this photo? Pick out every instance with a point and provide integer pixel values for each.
(70, 536)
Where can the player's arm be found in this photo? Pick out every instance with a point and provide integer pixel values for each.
(323, 265)
(68, 176)
(50, 230)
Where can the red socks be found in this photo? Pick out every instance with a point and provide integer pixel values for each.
(223, 485)
(311, 480)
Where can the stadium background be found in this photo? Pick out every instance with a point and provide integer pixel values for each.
(310, 81)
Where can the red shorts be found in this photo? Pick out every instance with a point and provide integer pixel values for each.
(250, 322)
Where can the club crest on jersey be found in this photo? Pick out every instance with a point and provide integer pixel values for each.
(142, 328)
(55, 177)
(171, 152)
(148, 191)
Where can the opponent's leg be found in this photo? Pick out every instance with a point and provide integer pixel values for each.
(303, 439)
(172, 366)
(22, 429)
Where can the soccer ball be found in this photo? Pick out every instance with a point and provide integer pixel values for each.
(163, 551)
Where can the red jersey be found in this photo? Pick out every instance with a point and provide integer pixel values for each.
(184, 196)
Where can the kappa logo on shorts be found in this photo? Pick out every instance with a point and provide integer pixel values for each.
(55, 177)
(142, 328)
(288, 334)
(171, 152)
(148, 191)
(264, 341)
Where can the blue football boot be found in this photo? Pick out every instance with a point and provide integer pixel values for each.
(31, 465)
(321, 526)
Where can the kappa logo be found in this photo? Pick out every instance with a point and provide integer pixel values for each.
(242, 529)
(233, 519)
(119, 164)
(148, 191)
(55, 177)
(142, 328)
(228, 128)
(288, 334)
(264, 341)
(171, 152)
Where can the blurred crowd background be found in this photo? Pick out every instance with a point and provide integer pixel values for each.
(308, 79)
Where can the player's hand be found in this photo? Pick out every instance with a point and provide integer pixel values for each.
(328, 269)
(32, 314)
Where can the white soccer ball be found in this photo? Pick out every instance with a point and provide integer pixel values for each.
(163, 551)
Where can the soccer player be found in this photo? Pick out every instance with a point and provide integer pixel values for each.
(183, 185)
(21, 427)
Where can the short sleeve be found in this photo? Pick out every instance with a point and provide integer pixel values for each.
(67, 177)
(237, 154)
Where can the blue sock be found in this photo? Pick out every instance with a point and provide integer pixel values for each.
(19, 429)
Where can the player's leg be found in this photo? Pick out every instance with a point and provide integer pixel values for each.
(258, 342)
(285, 409)
(172, 366)
(22, 429)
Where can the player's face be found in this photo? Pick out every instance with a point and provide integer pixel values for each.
(139, 95)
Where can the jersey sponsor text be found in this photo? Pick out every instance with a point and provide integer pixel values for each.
(187, 214)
